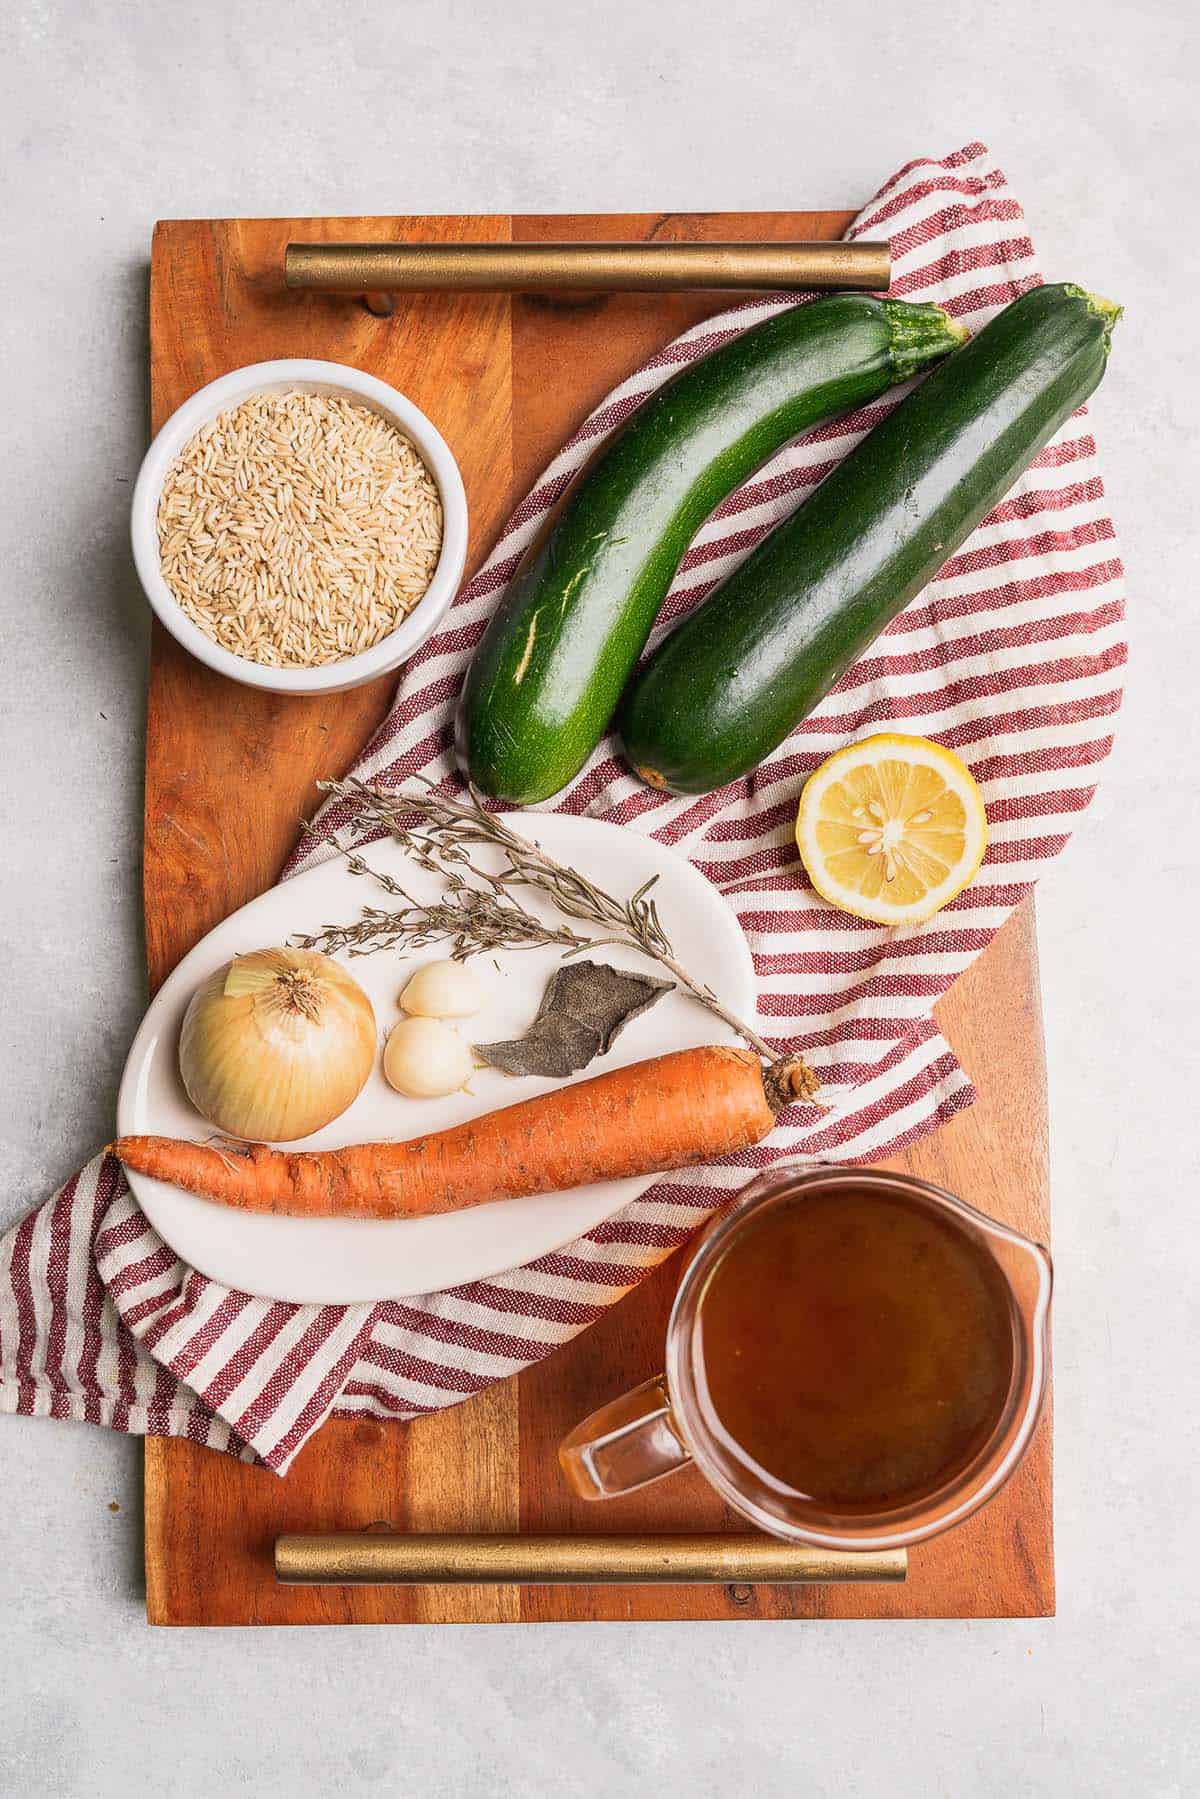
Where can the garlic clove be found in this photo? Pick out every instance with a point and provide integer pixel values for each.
(442, 990)
(426, 1059)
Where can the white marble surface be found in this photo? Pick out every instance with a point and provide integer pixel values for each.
(117, 113)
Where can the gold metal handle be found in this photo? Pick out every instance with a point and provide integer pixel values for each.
(601, 267)
(380, 1559)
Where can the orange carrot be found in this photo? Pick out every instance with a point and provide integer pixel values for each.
(670, 1112)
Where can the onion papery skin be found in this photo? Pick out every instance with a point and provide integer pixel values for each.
(277, 1044)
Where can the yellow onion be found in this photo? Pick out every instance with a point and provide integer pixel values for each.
(276, 1044)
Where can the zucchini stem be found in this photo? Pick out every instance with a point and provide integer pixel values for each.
(1108, 310)
(921, 334)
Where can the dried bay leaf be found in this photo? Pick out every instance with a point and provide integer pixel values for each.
(554, 1047)
(584, 1007)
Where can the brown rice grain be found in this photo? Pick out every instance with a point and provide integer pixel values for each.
(298, 529)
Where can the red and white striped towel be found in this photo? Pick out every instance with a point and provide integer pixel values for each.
(1013, 656)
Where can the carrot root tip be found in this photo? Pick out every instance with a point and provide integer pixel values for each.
(788, 1080)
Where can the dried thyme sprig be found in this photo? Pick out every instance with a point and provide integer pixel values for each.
(440, 832)
(446, 830)
(470, 919)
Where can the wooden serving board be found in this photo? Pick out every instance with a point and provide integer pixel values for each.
(229, 772)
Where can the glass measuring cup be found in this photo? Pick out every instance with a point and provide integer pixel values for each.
(663, 1425)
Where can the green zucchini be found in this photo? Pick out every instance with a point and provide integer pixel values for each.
(550, 668)
(766, 646)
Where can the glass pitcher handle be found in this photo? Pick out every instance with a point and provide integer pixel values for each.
(626, 1444)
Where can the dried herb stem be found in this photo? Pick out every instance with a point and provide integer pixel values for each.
(440, 833)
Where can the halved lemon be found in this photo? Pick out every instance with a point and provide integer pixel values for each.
(891, 828)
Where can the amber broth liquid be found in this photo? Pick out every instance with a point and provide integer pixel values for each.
(854, 1350)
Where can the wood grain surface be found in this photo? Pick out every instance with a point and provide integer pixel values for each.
(230, 772)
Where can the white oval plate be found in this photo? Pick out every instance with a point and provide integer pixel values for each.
(345, 1261)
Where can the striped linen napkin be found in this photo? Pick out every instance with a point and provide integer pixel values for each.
(1012, 656)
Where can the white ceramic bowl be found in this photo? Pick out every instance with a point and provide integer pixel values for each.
(290, 374)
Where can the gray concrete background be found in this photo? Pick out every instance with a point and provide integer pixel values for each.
(116, 114)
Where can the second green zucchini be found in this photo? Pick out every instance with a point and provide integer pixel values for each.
(765, 647)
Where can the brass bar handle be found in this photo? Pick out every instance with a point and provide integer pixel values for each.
(378, 1559)
(592, 268)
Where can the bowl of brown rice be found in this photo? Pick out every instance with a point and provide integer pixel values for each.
(300, 526)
